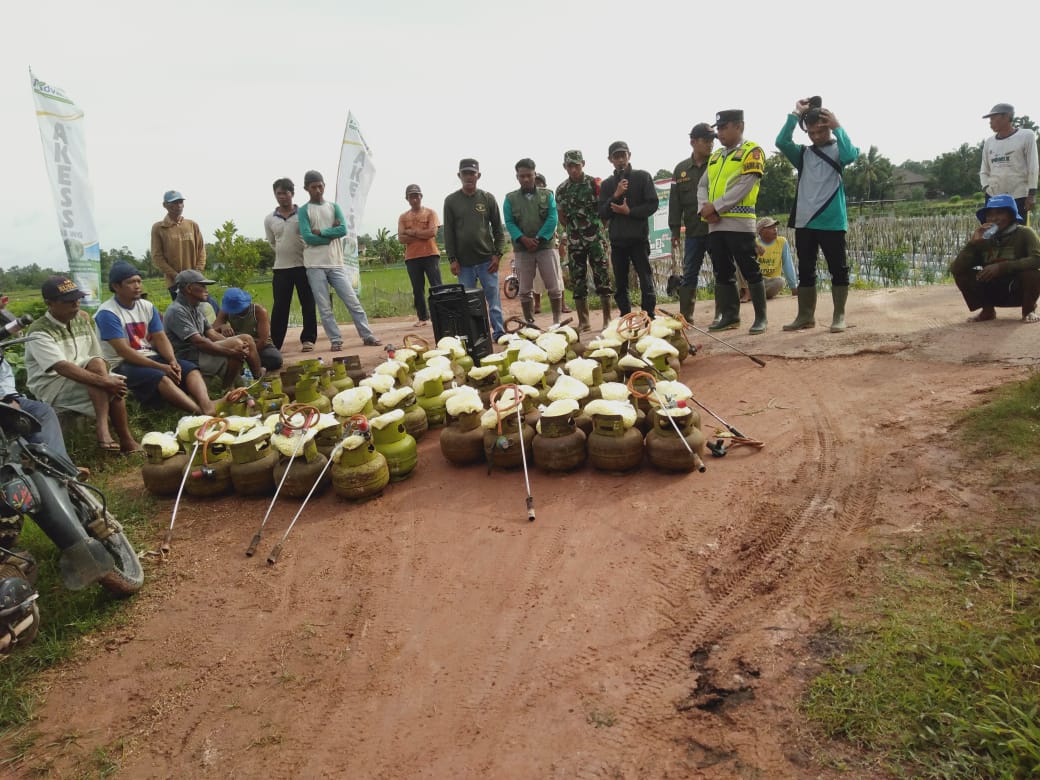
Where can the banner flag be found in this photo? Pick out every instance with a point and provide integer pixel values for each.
(65, 153)
(353, 181)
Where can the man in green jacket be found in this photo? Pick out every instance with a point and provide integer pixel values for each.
(1000, 265)
(819, 218)
(530, 218)
(682, 210)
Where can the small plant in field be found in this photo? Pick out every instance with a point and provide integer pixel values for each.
(237, 259)
(892, 265)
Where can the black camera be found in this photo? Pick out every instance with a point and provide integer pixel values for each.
(815, 102)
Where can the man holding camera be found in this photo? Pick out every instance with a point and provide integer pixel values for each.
(820, 218)
(727, 194)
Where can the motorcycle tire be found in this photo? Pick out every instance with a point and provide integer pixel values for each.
(511, 288)
(127, 577)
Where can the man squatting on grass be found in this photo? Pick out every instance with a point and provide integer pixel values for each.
(1002, 269)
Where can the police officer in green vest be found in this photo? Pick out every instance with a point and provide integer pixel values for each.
(726, 196)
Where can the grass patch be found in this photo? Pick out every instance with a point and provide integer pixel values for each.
(941, 675)
(67, 616)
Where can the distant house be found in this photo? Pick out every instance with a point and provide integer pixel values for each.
(904, 183)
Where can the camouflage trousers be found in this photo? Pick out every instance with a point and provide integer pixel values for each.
(583, 255)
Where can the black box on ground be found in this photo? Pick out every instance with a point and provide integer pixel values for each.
(462, 313)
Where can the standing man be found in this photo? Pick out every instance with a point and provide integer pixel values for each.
(576, 204)
(474, 239)
(66, 369)
(530, 217)
(1009, 160)
(682, 210)
(135, 345)
(322, 228)
(627, 200)
(727, 194)
(417, 230)
(194, 339)
(819, 218)
(282, 229)
(176, 242)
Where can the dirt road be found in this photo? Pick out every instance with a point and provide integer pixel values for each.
(645, 626)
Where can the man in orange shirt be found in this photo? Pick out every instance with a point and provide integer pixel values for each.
(417, 230)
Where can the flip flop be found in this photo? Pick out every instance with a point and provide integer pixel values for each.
(108, 446)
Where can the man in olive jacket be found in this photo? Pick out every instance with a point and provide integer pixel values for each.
(627, 200)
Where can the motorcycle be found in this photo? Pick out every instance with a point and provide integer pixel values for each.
(44, 485)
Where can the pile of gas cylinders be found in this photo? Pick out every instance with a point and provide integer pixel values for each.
(544, 398)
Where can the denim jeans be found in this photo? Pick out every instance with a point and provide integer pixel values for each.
(468, 275)
(320, 280)
(693, 259)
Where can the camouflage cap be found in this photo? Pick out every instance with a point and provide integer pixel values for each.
(573, 156)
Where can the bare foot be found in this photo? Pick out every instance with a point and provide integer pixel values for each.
(1031, 317)
(984, 316)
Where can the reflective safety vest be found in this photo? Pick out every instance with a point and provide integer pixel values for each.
(724, 169)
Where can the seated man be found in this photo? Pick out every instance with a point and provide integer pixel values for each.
(774, 258)
(134, 344)
(194, 339)
(67, 371)
(1000, 265)
(238, 314)
(50, 428)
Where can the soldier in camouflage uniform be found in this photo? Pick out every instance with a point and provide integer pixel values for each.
(576, 203)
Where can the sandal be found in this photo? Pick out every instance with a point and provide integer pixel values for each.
(307, 346)
(108, 446)
(1031, 317)
(337, 346)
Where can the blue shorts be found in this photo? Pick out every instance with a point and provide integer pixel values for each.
(143, 381)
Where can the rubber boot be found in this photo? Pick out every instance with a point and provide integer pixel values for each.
(840, 295)
(537, 302)
(556, 304)
(758, 300)
(806, 309)
(686, 302)
(582, 305)
(727, 299)
(604, 302)
(528, 309)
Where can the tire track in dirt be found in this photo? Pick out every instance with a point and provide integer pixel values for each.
(760, 556)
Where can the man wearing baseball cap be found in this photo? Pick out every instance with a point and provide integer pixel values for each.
(135, 345)
(196, 340)
(417, 230)
(682, 211)
(474, 239)
(999, 267)
(727, 194)
(774, 257)
(66, 369)
(627, 200)
(176, 242)
(577, 199)
(1009, 160)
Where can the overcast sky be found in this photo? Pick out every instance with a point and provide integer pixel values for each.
(217, 99)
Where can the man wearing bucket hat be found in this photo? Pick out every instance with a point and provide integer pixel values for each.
(176, 242)
(66, 369)
(576, 205)
(1000, 265)
(1009, 160)
(194, 339)
(242, 315)
(727, 194)
(682, 211)
(135, 345)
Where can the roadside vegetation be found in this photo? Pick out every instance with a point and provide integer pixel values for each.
(939, 675)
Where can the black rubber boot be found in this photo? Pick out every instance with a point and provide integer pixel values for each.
(806, 310)
(727, 299)
(686, 302)
(758, 300)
